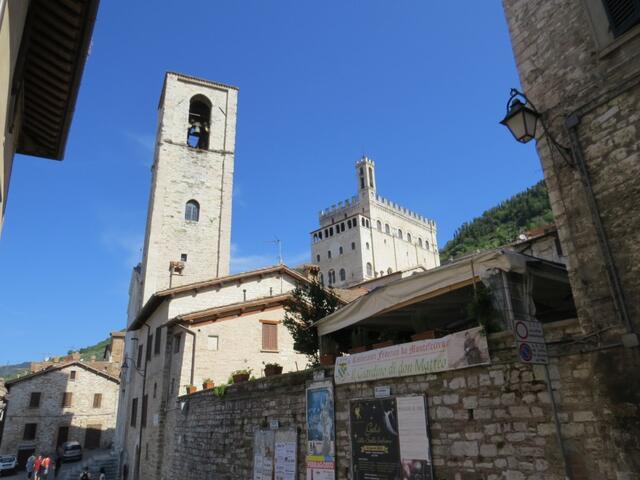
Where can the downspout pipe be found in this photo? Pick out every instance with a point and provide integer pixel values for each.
(617, 292)
(193, 351)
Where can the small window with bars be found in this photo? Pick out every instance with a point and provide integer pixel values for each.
(97, 400)
(269, 336)
(623, 15)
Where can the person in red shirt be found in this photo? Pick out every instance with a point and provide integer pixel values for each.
(36, 467)
(44, 468)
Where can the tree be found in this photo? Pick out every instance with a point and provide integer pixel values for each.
(308, 303)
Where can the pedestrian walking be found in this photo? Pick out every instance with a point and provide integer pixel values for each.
(30, 462)
(85, 475)
(36, 467)
(103, 475)
(44, 468)
(58, 465)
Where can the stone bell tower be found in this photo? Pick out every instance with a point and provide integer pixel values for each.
(188, 234)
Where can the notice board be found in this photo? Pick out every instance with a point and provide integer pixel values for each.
(275, 455)
(389, 439)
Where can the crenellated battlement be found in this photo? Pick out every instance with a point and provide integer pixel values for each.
(404, 211)
(340, 206)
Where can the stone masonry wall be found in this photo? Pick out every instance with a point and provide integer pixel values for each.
(566, 67)
(486, 422)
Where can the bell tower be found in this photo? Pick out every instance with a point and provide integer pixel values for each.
(188, 233)
(365, 173)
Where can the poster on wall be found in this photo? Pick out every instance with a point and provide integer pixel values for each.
(458, 350)
(389, 439)
(285, 461)
(321, 449)
(263, 453)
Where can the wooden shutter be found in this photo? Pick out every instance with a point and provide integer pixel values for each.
(34, 402)
(623, 14)
(134, 411)
(143, 411)
(97, 400)
(269, 336)
(156, 350)
(66, 399)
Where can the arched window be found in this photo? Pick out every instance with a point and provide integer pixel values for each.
(409, 237)
(318, 258)
(389, 271)
(381, 273)
(321, 279)
(420, 242)
(367, 244)
(400, 234)
(426, 244)
(343, 275)
(386, 228)
(329, 254)
(199, 122)
(369, 270)
(363, 222)
(192, 211)
(379, 225)
(353, 245)
(340, 251)
(332, 277)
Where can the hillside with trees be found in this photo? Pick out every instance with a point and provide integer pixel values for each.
(501, 224)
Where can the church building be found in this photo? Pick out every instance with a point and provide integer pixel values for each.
(368, 236)
(190, 322)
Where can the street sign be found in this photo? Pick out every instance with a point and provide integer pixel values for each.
(530, 342)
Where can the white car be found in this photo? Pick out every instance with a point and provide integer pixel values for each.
(7, 463)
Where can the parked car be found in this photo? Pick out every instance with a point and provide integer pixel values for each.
(7, 463)
(70, 451)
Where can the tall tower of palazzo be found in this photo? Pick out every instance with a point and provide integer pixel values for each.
(188, 232)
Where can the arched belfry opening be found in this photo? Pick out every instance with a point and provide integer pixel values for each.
(199, 122)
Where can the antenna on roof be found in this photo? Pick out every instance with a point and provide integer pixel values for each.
(278, 242)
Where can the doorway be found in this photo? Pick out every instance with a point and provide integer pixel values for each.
(92, 436)
(63, 435)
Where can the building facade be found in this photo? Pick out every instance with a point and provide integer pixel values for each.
(579, 65)
(38, 90)
(69, 401)
(369, 236)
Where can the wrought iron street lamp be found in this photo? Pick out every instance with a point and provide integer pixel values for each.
(521, 119)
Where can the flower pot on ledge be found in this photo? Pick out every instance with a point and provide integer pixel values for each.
(271, 370)
(191, 389)
(240, 377)
(328, 359)
(208, 385)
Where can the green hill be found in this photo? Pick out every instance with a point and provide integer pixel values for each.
(502, 224)
(9, 372)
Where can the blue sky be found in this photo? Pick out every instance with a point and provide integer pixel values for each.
(418, 86)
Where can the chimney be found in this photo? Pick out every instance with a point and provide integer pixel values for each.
(310, 271)
(116, 348)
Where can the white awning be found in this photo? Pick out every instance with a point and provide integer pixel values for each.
(420, 286)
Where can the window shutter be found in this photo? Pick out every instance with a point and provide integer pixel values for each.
(35, 400)
(97, 400)
(66, 399)
(143, 412)
(269, 336)
(158, 340)
(623, 14)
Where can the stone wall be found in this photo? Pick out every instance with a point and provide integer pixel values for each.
(569, 63)
(486, 422)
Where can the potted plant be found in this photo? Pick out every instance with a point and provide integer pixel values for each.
(241, 375)
(328, 359)
(208, 383)
(191, 389)
(271, 369)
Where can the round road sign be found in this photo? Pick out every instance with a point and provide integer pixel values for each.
(526, 354)
(521, 330)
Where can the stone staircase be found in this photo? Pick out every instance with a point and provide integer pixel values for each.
(108, 461)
